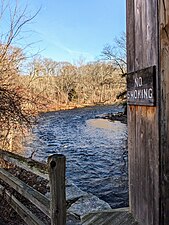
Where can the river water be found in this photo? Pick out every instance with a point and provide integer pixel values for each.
(95, 150)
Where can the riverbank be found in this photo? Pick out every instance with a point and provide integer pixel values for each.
(96, 154)
(69, 106)
(120, 116)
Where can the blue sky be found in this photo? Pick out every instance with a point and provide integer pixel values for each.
(67, 30)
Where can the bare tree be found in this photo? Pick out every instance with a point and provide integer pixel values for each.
(117, 55)
(13, 98)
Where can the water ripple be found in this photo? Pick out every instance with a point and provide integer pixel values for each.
(95, 150)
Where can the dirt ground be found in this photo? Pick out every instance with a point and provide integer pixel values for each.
(7, 215)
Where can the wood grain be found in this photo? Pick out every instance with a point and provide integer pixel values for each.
(57, 165)
(143, 126)
(28, 164)
(164, 108)
(113, 217)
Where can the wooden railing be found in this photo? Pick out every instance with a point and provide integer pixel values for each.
(54, 171)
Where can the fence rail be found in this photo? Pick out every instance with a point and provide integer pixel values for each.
(54, 171)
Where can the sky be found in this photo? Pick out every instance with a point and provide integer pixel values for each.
(72, 30)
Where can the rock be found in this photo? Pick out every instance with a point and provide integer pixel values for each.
(80, 202)
(73, 192)
(87, 204)
(119, 116)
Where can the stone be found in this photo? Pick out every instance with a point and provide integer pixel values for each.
(73, 192)
(88, 204)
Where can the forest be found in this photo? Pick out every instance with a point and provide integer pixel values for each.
(30, 85)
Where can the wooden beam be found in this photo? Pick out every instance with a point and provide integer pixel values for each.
(164, 108)
(39, 200)
(28, 164)
(24, 212)
(143, 125)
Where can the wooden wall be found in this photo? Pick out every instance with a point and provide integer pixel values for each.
(143, 126)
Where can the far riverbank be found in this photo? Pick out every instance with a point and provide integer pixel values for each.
(69, 106)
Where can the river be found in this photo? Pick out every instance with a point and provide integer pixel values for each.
(95, 150)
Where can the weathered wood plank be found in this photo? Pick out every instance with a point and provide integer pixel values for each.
(109, 218)
(28, 164)
(164, 107)
(143, 127)
(25, 213)
(57, 166)
(130, 35)
(31, 194)
(131, 110)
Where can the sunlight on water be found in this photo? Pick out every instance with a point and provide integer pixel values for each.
(105, 124)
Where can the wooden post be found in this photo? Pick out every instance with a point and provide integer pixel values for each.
(164, 108)
(148, 124)
(56, 165)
